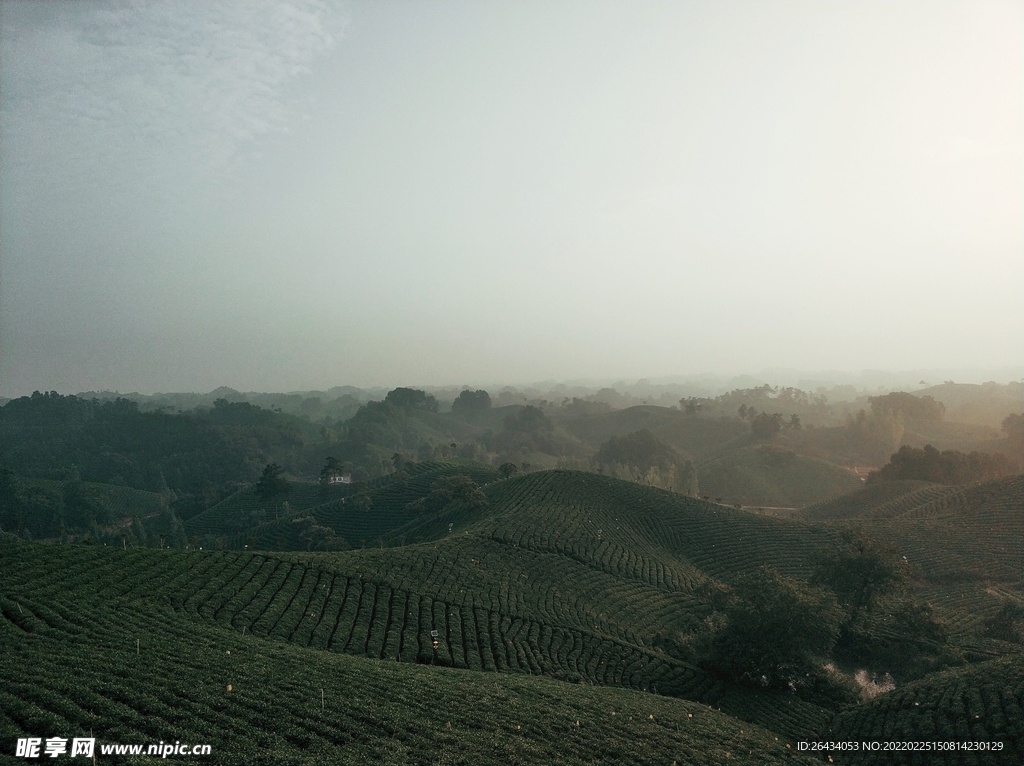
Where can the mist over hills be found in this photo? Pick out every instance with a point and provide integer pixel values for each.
(583, 383)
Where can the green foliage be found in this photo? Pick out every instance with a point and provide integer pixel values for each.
(332, 467)
(527, 431)
(980, 703)
(860, 570)
(872, 437)
(764, 426)
(42, 509)
(508, 469)
(773, 631)
(905, 639)
(639, 449)
(770, 474)
(528, 420)
(451, 489)
(910, 409)
(318, 537)
(240, 414)
(1007, 624)
(1013, 425)
(947, 467)
(642, 457)
(272, 483)
(411, 399)
(192, 455)
(470, 402)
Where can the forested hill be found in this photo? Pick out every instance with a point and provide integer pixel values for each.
(53, 446)
(51, 436)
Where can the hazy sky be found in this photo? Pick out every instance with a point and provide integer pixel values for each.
(278, 196)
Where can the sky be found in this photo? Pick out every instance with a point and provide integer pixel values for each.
(292, 196)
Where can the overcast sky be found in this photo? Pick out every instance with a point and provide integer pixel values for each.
(281, 196)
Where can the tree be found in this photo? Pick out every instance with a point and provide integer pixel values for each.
(332, 467)
(470, 402)
(411, 399)
(765, 426)
(451, 489)
(1007, 624)
(641, 449)
(860, 570)
(794, 422)
(318, 537)
(874, 435)
(272, 483)
(772, 631)
(947, 467)
(507, 469)
(911, 409)
(691, 405)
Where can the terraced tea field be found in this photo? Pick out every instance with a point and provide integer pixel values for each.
(329, 603)
(859, 502)
(983, 702)
(949, 534)
(95, 659)
(118, 501)
(567, 579)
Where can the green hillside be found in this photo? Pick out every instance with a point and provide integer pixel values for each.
(70, 509)
(499, 593)
(695, 438)
(964, 547)
(974, 532)
(562, 587)
(978, 703)
(97, 657)
(769, 475)
(245, 508)
(861, 501)
(381, 510)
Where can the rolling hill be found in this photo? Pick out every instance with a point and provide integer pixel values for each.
(566, 591)
(98, 659)
(981, 703)
(773, 476)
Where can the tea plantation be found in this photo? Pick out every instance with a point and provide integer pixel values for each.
(979, 703)
(96, 661)
(547, 624)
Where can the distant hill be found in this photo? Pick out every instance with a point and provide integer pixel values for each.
(986, 404)
(245, 519)
(771, 475)
(694, 437)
